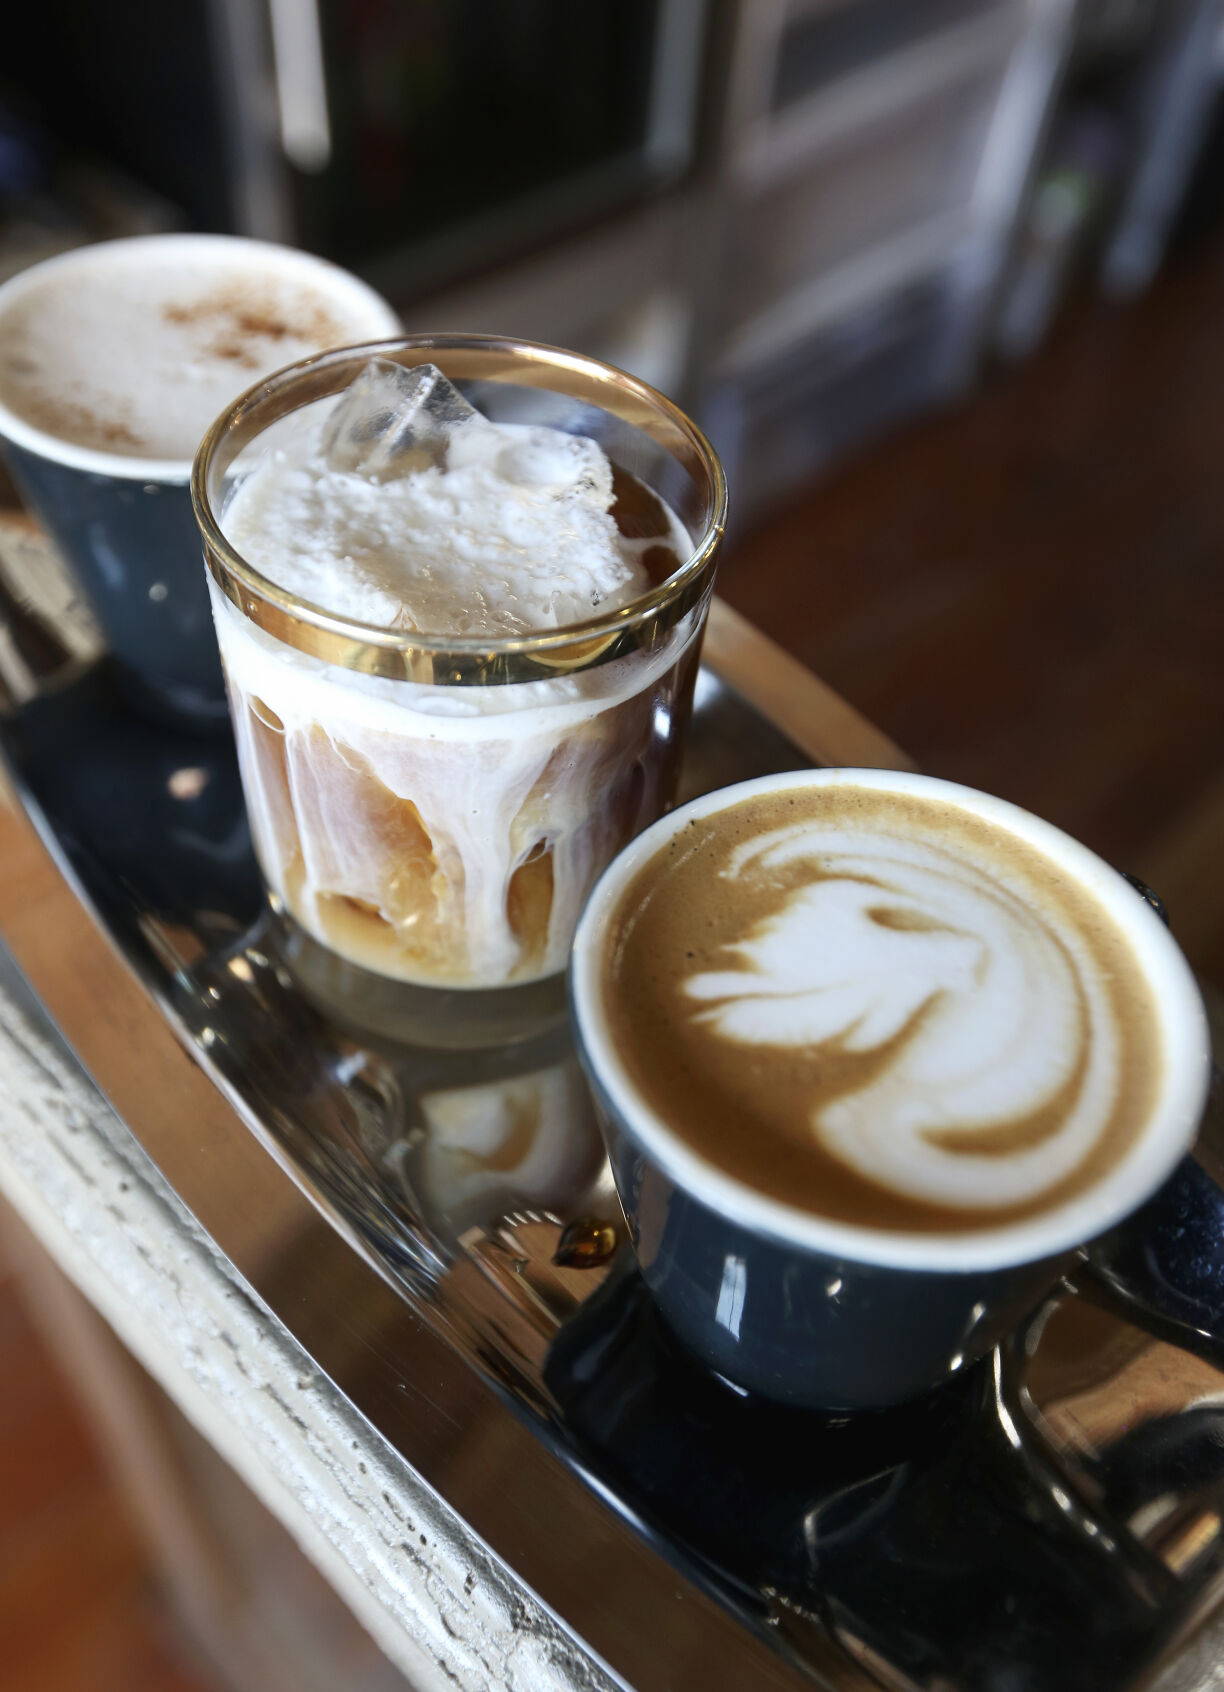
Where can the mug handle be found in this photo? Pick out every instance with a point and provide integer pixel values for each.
(1163, 1267)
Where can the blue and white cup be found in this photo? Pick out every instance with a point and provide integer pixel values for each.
(815, 1311)
(116, 499)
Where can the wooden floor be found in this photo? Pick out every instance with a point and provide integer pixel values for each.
(1028, 594)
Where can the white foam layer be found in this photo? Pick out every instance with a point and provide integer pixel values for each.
(987, 1013)
(132, 348)
(511, 535)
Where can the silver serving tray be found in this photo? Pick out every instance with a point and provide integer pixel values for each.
(439, 1231)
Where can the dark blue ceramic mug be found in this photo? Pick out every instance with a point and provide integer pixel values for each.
(124, 521)
(816, 1311)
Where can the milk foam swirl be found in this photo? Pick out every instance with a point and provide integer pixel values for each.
(986, 1053)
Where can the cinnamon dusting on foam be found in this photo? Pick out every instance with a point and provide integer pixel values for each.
(136, 349)
(882, 1009)
(239, 326)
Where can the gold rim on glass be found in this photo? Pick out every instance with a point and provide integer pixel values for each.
(461, 660)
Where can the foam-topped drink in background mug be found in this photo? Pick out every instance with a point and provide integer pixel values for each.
(131, 348)
(114, 360)
(890, 1020)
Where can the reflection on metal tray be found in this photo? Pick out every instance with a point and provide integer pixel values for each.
(1051, 1520)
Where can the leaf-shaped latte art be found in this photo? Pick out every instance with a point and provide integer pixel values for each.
(996, 1047)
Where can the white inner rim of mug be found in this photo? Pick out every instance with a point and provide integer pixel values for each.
(380, 320)
(1184, 1033)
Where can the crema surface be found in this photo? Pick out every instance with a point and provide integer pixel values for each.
(882, 1009)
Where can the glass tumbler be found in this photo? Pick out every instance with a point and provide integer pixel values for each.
(430, 812)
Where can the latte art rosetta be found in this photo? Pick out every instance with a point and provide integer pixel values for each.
(985, 1049)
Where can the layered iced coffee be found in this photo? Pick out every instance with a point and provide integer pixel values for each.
(434, 785)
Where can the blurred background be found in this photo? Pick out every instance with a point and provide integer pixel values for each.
(806, 220)
(943, 279)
